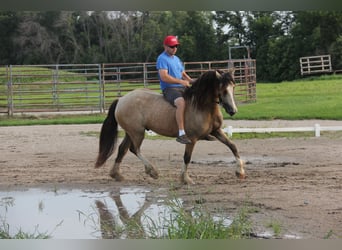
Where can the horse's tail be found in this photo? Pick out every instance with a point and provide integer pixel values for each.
(108, 136)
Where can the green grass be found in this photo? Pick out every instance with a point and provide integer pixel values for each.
(51, 119)
(316, 99)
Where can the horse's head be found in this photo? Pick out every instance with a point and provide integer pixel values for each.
(213, 87)
(226, 91)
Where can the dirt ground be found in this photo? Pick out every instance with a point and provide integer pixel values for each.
(295, 183)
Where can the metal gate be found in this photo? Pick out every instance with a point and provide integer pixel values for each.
(52, 88)
(92, 87)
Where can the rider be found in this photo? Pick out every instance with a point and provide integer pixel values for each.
(173, 81)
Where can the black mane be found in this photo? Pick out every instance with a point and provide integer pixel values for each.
(204, 92)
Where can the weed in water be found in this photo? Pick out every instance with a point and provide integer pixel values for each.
(198, 223)
(275, 226)
(241, 226)
(331, 234)
(41, 206)
(5, 232)
(174, 222)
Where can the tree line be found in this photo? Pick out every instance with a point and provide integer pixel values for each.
(276, 39)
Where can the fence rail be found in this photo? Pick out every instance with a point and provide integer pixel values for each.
(92, 87)
(316, 129)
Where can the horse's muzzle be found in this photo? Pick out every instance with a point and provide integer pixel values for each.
(231, 113)
(230, 110)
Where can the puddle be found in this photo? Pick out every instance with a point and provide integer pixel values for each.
(77, 214)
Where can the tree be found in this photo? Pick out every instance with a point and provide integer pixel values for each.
(151, 33)
(9, 22)
(276, 39)
(199, 40)
(65, 29)
(263, 30)
(31, 43)
(231, 27)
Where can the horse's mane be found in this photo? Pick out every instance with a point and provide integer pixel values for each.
(204, 91)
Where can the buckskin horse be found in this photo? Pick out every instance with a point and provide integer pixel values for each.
(144, 109)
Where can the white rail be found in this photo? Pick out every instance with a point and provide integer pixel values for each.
(316, 128)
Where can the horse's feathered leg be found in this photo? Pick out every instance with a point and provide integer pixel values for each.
(221, 136)
(135, 149)
(115, 172)
(149, 168)
(185, 178)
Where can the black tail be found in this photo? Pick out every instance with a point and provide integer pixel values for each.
(108, 136)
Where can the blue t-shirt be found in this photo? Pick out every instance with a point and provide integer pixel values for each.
(174, 67)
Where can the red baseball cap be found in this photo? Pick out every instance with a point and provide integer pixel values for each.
(171, 41)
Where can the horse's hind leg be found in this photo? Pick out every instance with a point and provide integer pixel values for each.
(135, 149)
(115, 172)
(149, 168)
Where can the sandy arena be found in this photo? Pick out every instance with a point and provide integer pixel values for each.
(294, 182)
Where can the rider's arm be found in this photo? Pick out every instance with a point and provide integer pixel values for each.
(165, 77)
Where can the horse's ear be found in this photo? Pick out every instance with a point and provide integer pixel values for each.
(218, 74)
(231, 71)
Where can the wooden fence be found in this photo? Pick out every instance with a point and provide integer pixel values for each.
(315, 65)
(92, 87)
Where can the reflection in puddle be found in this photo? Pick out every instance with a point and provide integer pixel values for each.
(133, 213)
(77, 214)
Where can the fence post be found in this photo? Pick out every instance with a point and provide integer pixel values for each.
(55, 80)
(101, 89)
(9, 91)
(317, 130)
(145, 74)
(230, 131)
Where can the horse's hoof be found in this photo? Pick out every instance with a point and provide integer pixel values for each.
(116, 176)
(186, 180)
(189, 182)
(153, 173)
(240, 175)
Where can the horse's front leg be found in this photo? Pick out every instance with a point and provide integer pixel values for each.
(222, 137)
(185, 178)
